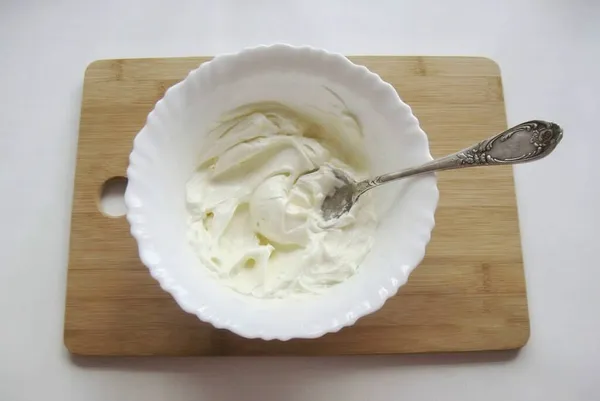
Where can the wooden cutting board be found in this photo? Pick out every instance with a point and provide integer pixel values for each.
(467, 295)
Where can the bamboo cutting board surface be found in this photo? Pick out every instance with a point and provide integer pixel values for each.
(467, 295)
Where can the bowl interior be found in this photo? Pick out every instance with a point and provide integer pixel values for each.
(166, 153)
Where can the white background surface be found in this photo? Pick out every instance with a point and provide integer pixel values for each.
(549, 52)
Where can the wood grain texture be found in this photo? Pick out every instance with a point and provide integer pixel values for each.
(467, 295)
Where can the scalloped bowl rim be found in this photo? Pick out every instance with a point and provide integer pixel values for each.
(359, 308)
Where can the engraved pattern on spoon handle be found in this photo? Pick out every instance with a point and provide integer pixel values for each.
(522, 143)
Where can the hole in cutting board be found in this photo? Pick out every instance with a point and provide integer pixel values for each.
(112, 197)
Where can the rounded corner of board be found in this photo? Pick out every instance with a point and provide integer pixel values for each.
(72, 348)
(94, 65)
(492, 64)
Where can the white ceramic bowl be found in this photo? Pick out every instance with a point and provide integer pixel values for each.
(164, 156)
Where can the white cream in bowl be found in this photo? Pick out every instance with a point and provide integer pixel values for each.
(255, 217)
(194, 207)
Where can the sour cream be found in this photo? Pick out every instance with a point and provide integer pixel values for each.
(255, 217)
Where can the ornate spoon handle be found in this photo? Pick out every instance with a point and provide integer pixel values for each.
(522, 143)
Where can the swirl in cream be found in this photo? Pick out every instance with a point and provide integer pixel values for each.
(255, 217)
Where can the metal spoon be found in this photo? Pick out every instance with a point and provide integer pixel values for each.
(522, 143)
